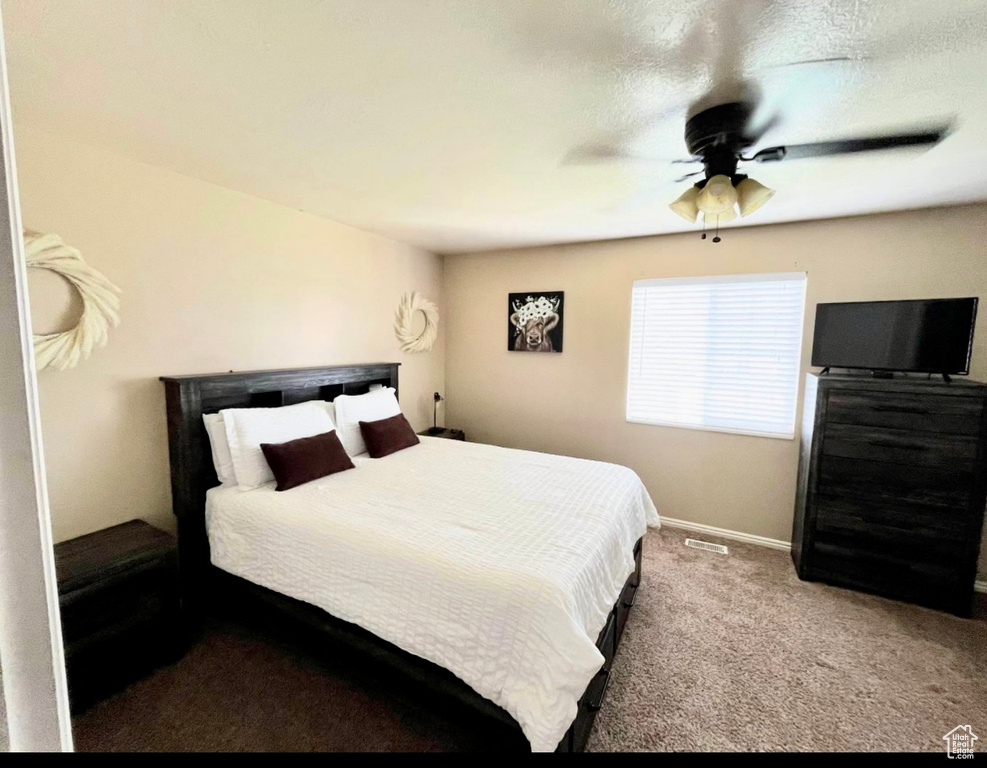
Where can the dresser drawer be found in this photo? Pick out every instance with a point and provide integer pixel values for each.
(933, 520)
(150, 627)
(881, 572)
(899, 446)
(134, 596)
(894, 483)
(930, 536)
(927, 413)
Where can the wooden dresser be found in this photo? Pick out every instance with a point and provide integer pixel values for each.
(891, 487)
(118, 592)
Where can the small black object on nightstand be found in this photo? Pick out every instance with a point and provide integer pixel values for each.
(448, 434)
(120, 608)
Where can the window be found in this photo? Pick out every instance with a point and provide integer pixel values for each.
(718, 353)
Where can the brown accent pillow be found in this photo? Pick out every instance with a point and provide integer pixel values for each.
(388, 436)
(308, 458)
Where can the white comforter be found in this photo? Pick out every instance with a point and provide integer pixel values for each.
(499, 565)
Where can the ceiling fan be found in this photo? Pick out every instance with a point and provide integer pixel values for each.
(726, 125)
(719, 136)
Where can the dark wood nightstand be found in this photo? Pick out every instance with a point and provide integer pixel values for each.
(448, 434)
(121, 615)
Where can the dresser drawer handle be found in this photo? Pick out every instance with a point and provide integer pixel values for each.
(597, 703)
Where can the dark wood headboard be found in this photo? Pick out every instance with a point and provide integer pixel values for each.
(192, 471)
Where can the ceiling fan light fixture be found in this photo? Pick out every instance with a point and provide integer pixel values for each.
(751, 195)
(718, 196)
(715, 219)
(685, 206)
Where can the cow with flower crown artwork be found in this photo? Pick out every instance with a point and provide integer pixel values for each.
(535, 321)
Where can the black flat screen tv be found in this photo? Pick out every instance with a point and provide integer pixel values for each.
(923, 336)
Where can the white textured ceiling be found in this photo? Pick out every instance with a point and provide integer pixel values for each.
(454, 124)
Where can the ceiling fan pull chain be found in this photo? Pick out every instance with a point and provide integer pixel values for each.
(716, 236)
(703, 235)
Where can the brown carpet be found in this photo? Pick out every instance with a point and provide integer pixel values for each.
(721, 653)
(735, 653)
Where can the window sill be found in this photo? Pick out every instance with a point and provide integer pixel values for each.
(725, 430)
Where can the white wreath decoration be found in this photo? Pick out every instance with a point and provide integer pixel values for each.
(99, 303)
(404, 320)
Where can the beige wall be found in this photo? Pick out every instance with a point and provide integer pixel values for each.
(573, 403)
(212, 280)
(215, 280)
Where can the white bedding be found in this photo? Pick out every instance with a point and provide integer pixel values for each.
(499, 565)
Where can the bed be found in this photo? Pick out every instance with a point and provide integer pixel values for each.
(486, 573)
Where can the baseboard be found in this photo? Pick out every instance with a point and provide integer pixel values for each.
(724, 533)
(761, 541)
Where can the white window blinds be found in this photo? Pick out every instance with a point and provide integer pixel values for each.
(718, 353)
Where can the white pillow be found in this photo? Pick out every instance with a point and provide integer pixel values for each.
(352, 409)
(220, 448)
(247, 428)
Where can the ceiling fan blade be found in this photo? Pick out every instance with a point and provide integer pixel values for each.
(824, 60)
(591, 154)
(757, 128)
(680, 179)
(848, 146)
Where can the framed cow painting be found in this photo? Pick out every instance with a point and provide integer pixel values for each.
(534, 321)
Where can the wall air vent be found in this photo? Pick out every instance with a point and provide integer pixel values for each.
(696, 544)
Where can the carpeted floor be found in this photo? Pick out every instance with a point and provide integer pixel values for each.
(721, 653)
(735, 653)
